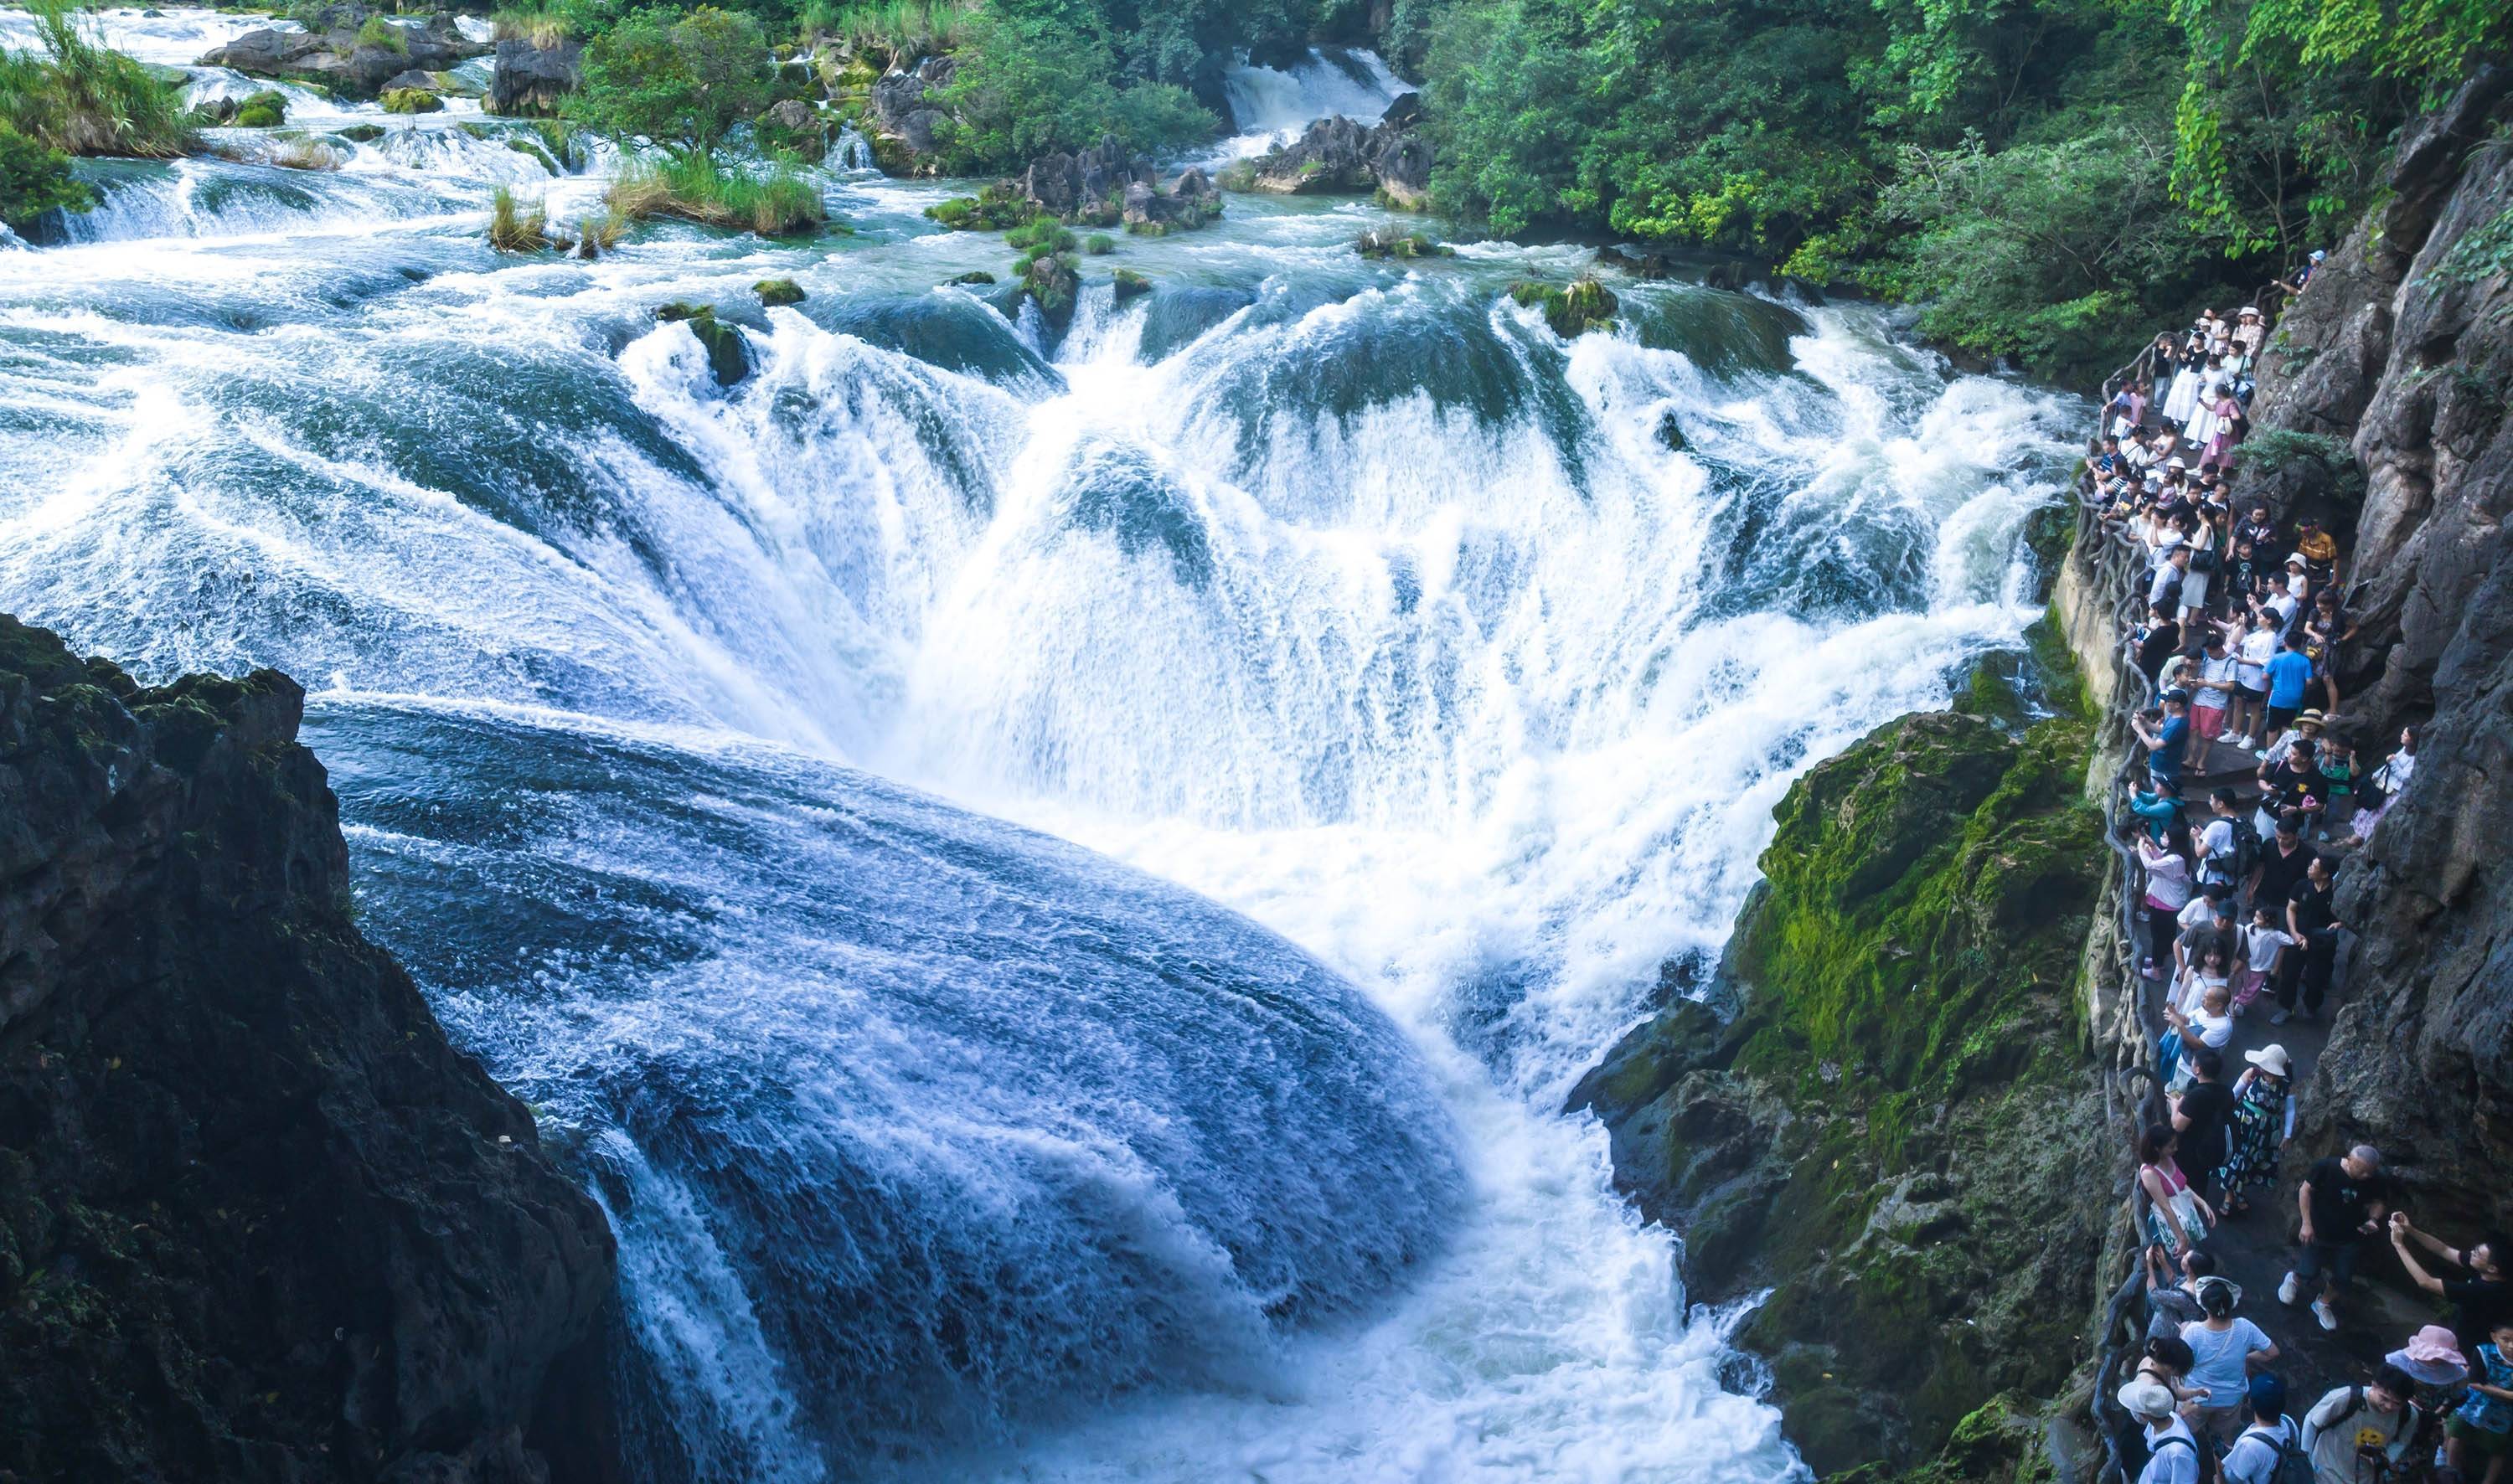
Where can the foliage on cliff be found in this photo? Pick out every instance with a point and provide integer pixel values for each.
(257, 1220)
(1895, 1130)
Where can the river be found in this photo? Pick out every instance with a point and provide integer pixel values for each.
(1053, 885)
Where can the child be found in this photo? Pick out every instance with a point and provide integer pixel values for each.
(2263, 944)
(2483, 1426)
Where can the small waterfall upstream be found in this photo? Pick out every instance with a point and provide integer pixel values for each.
(1052, 880)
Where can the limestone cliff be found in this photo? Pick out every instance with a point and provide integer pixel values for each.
(2402, 351)
(1886, 1114)
(257, 1220)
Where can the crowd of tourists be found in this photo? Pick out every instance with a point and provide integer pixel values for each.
(2246, 800)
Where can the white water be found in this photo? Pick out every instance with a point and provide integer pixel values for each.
(1372, 610)
(1271, 106)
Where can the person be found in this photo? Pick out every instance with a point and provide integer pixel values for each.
(2290, 785)
(2254, 652)
(2226, 844)
(2172, 1452)
(2479, 1301)
(2342, 1198)
(2283, 863)
(2158, 638)
(2165, 817)
(2202, 1115)
(2264, 1125)
(2171, 1288)
(2209, 1024)
(2258, 528)
(2166, 743)
(2177, 1215)
(2225, 422)
(2481, 1429)
(2181, 398)
(2432, 1357)
(2337, 783)
(2250, 332)
(2376, 795)
(2245, 572)
(2256, 1455)
(2312, 917)
(2225, 1347)
(2349, 1425)
(2288, 672)
(2167, 892)
(2206, 934)
(2307, 728)
(2216, 673)
(2319, 551)
(2327, 635)
(2263, 945)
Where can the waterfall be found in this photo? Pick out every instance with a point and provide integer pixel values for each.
(852, 152)
(1052, 878)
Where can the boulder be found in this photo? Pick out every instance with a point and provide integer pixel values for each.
(728, 354)
(258, 1219)
(1129, 284)
(532, 80)
(775, 293)
(1088, 185)
(1340, 156)
(329, 51)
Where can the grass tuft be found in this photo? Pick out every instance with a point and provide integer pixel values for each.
(75, 95)
(698, 187)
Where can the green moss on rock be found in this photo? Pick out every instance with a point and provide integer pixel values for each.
(775, 293)
(1894, 1127)
(411, 100)
(728, 358)
(1570, 310)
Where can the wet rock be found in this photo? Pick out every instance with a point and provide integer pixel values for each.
(1088, 186)
(1129, 284)
(336, 49)
(775, 293)
(258, 1217)
(411, 100)
(728, 354)
(1340, 156)
(1573, 310)
(533, 80)
(1878, 1109)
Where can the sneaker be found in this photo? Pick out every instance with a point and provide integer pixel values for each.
(2280, 1017)
(2146, 968)
(2287, 1290)
(2322, 1312)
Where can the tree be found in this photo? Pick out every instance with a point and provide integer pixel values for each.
(1042, 77)
(35, 178)
(679, 80)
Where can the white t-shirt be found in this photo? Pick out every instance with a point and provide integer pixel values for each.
(2257, 648)
(2218, 1356)
(2254, 1458)
(2212, 1029)
(2261, 944)
(2197, 911)
(2217, 842)
(2177, 1464)
(2217, 678)
(2167, 883)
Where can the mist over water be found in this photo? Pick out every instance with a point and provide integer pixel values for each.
(1053, 885)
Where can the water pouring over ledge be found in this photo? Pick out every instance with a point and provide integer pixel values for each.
(674, 726)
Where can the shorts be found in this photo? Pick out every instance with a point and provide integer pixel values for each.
(2257, 695)
(2209, 722)
(2494, 1445)
(2283, 717)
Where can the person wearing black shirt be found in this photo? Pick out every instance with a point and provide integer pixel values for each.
(2258, 528)
(2312, 916)
(2478, 1302)
(2342, 1199)
(2292, 784)
(2199, 1115)
(2284, 860)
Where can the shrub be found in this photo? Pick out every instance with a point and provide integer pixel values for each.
(683, 80)
(411, 100)
(379, 32)
(1099, 244)
(514, 230)
(541, 27)
(35, 178)
(697, 187)
(75, 94)
(994, 209)
(1043, 233)
(1034, 81)
(1129, 284)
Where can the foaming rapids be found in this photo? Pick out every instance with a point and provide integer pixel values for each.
(1051, 876)
(1270, 105)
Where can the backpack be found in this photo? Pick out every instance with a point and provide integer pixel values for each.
(2207, 1457)
(2293, 1465)
(2246, 851)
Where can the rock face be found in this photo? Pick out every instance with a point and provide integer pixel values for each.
(531, 80)
(1885, 1112)
(330, 49)
(2400, 351)
(1088, 185)
(257, 1220)
(1339, 156)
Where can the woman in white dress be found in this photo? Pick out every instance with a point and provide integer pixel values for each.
(2183, 398)
(2201, 424)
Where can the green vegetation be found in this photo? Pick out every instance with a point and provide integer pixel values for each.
(362, 133)
(379, 32)
(512, 229)
(682, 80)
(74, 95)
(698, 187)
(411, 100)
(2056, 175)
(541, 27)
(35, 178)
(898, 27)
(1383, 241)
(266, 109)
(1031, 80)
(974, 278)
(997, 208)
(728, 358)
(1129, 284)
(1099, 244)
(775, 293)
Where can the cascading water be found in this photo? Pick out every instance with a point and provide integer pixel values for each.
(1340, 592)
(1271, 104)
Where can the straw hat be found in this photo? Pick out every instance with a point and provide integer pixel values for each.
(2272, 1059)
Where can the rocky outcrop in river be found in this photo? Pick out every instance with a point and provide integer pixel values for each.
(1882, 1111)
(351, 49)
(532, 79)
(1339, 156)
(259, 1220)
(2401, 350)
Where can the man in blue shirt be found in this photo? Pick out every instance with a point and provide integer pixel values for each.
(2165, 743)
(2288, 674)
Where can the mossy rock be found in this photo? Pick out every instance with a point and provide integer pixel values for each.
(1050, 281)
(411, 100)
(1382, 243)
(266, 109)
(970, 279)
(362, 133)
(995, 207)
(525, 145)
(775, 293)
(1571, 310)
(1129, 284)
(728, 355)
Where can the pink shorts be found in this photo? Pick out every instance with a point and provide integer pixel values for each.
(2247, 984)
(2209, 722)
